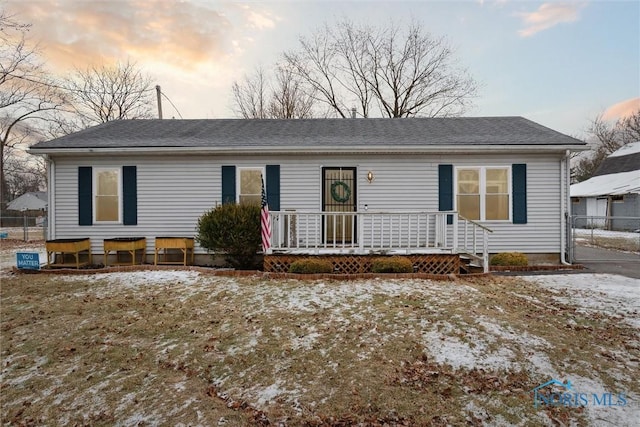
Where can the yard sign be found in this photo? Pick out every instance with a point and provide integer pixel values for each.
(28, 260)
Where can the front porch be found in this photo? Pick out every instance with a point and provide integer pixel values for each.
(434, 241)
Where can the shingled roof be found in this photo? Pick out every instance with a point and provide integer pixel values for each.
(618, 174)
(310, 133)
(625, 159)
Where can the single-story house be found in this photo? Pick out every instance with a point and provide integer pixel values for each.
(31, 201)
(333, 185)
(32, 204)
(613, 192)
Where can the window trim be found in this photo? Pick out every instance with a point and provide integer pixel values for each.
(94, 193)
(239, 170)
(482, 173)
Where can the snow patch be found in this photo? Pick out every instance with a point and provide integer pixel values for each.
(605, 293)
(475, 348)
(469, 353)
(586, 233)
(603, 415)
(263, 396)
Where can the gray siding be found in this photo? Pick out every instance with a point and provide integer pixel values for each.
(174, 191)
(629, 207)
(578, 206)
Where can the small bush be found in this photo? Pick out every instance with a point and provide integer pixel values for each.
(232, 230)
(393, 264)
(311, 266)
(509, 259)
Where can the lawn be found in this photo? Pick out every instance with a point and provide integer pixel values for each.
(618, 240)
(186, 348)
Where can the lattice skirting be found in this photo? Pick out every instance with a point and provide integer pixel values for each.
(354, 264)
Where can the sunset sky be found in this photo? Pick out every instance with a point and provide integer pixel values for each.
(559, 64)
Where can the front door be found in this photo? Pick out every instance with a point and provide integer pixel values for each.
(339, 195)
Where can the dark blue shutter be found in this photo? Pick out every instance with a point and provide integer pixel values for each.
(228, 184)
(129, 196)
(85, 195)
(273, 187)
(519, 187)
(445, 190)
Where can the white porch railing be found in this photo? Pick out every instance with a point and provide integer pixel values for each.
(401, 232)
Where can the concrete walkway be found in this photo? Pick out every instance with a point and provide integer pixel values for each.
(599, 260)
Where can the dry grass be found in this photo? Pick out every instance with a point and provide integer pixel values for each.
(629, 242)
(9, 246)
(155, 348)
(617, 243)
(17, 233)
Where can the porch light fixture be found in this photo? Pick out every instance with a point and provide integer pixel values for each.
(370, 176)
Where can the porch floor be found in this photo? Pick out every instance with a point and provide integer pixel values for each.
(357, 251)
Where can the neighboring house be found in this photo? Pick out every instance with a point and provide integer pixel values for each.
(333, 185)
(613, 191)
(33, 201)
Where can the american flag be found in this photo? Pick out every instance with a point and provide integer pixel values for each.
(265, 220)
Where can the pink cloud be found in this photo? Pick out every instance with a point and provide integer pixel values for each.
(77, 33)
(622, 109)
(549, 15)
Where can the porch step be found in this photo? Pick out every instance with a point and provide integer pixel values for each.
(470, 264)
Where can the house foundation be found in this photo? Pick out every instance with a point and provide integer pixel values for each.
(356, 264)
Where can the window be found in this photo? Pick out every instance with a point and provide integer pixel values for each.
(243, 185)
(497, 195)
(250, 186)
(617, 199)
(483, 193)
(469, 193)
(107, 194)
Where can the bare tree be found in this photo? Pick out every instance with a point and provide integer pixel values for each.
(587, 164)
(250, 96)
(28, 96)
(289, 100)
(103, 93)
(401, 72)
(608, 137)
(630, 128)
(24, 173)
(283, 97)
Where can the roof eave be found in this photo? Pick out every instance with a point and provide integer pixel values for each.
(270, 150)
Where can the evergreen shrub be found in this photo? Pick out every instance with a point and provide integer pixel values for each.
(234, 231)
(509, 259)
(394, 264)
(311, 266)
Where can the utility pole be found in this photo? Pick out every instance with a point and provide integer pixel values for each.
(159, 94)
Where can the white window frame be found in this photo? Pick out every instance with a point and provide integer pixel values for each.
(482, 173)
(239, 178)
(94, 193)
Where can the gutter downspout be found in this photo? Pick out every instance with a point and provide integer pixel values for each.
(565, 172)
(51, 198)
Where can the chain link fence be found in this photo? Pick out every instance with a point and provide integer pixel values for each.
(23, 227)
(618, 236)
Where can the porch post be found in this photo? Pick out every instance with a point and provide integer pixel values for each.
(274, 231)
(485, 251)
(454, 245)
(360, 222)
